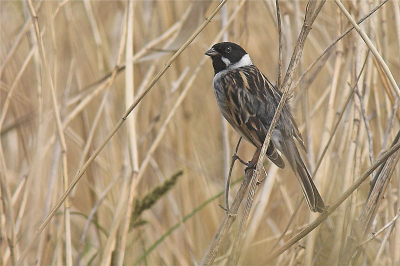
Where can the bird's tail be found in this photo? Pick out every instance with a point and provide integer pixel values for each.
(310, 191)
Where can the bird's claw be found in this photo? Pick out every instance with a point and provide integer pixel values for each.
(250, 166)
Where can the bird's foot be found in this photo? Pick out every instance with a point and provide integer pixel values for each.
(251, 165)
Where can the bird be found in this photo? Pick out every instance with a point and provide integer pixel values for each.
(248, 101)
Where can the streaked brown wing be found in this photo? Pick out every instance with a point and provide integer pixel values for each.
(297, 134)
(240, 108)
(277, 95)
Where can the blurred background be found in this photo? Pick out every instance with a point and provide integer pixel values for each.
(152, 196)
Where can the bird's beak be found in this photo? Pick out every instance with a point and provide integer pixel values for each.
(211, 52)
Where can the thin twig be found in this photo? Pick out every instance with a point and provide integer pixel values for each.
(228, 179)
(374, 235)
(367, 126)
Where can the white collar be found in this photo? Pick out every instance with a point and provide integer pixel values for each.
(244, 61)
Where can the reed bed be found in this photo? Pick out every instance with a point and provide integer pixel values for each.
(144, 156)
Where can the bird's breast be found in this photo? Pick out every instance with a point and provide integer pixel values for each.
(219, 88)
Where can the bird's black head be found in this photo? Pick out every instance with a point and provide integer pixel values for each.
(228, 55)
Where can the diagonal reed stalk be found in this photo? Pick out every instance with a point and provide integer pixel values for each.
(81, 171)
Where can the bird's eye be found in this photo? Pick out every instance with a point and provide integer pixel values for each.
(228, 49)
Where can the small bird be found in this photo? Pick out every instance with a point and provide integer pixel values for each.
(248, 101)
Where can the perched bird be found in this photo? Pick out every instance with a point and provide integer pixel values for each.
(248, 102)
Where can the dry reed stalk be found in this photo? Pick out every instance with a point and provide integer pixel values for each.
(96, 34)
(110, 243)
(257, 213)
(396, 9)
(285, 195)
(116, 127)
(396, 234)
(60, 131)
(311, 13)
(7, 206)
(131, 132)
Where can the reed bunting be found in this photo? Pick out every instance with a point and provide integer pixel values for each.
(248, 100)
